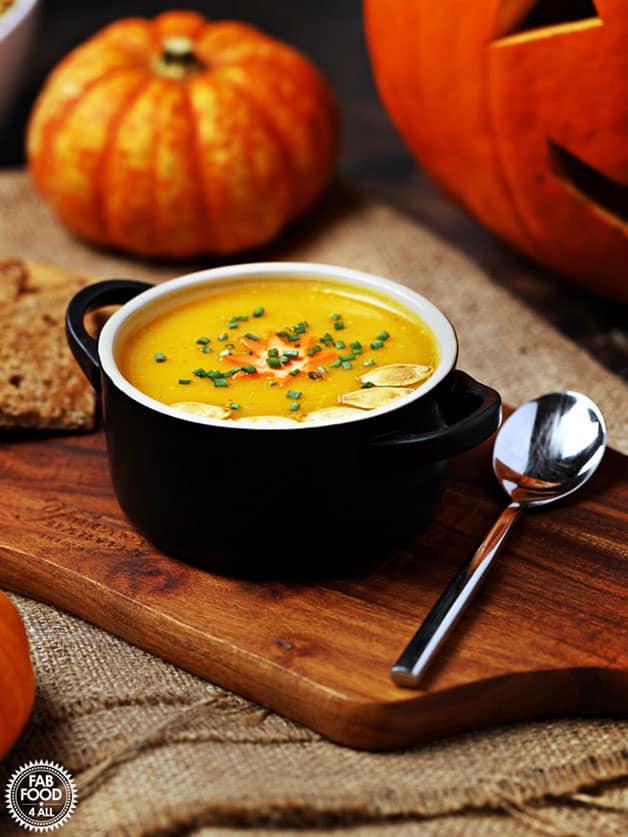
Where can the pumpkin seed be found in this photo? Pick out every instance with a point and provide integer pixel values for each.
(198, 408)
(396, 375)
(332, 414)
(370, 399)
(268, 421)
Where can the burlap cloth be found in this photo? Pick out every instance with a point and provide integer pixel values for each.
(156, 751)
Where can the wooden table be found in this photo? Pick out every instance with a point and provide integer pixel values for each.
(373, 156)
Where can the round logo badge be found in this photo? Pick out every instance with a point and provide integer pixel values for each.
(41, 796)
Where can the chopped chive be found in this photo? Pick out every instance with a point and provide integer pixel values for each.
(251, 336)
(294, 407)
(326, 338)
(295, 372)
(272, 383)
(356, 345)
(223, 335)
(293, 337)
(346, 364)
(229, 345)
(290, 353)
(335, 363)
(299, 329)
(282, 334)
(339, 344)
(339, 325)
(322, 369)
(159, 357)
(314, 376)
(200, 373)
(203, 341)
(346, 357)
(220, 382)
(295, 394)
(336, 317)
(273, 362)
(249, 369)
(369, 362)
(224, 353)
(233, 405)
(273, 352)
(257, 312)
(206, 349)
(285, 359)
(383, 335)
(315, 348)
(185, 381)
(377, 344)
(367, 385)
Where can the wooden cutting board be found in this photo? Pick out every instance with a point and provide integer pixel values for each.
(546, 635)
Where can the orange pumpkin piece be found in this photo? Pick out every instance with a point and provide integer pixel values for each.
(518, 110)
(17, 681)
(177, 136)
(258, 357)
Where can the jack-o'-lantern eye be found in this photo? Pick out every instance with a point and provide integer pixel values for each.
(517, 16)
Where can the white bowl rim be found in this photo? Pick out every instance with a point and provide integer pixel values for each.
(14, 15)
(433, 317)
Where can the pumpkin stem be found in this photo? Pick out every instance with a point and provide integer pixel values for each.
(177, 59)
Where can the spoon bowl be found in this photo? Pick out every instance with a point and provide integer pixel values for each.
(544, 451)
(549, 447)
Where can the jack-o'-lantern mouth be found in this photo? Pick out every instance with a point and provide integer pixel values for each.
(605, 195)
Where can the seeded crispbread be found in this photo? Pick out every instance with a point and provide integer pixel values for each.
(41, 385)
(13, 278)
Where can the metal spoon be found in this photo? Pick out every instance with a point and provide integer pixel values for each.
(544, 451)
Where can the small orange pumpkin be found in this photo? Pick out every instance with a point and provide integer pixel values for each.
(176, 136)
(518, 110)
(17, 681)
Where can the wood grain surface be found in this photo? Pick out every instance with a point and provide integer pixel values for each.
(546, 634)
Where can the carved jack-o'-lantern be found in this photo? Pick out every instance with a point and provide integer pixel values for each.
(519, 110)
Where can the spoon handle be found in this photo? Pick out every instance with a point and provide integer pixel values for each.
(413, 662)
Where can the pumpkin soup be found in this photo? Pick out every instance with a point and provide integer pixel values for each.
(279, 351)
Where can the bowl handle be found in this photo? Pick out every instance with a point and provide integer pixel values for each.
(471, 413)
(83, 346)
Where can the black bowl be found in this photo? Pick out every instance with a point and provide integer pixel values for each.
(266, 501)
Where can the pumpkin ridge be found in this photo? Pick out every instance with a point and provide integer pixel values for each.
(100, 191)
(316, 92)
(284, 153)
(517, 211)
(55, 126)
(154, 211)
(202, 199)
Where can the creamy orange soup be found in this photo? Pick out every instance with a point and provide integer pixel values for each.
(280, 351)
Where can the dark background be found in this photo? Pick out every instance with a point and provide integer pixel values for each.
(330, 32)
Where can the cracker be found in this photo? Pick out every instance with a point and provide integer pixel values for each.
(41, 385)
(13, 278)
